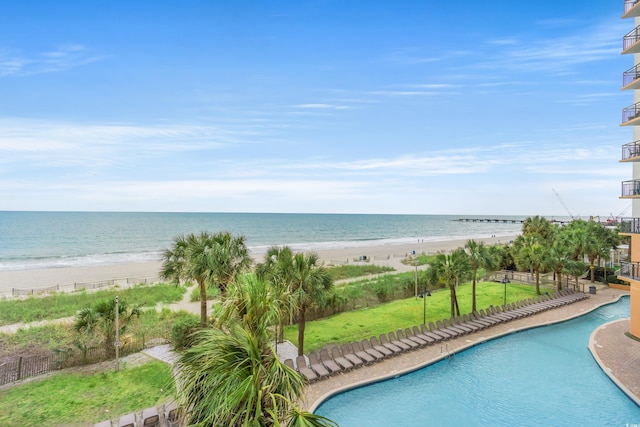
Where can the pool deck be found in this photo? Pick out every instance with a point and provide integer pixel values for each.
(617, 355)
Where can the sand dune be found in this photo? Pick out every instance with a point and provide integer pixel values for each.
(65, 278)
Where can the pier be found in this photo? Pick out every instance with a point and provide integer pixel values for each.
(504, 220)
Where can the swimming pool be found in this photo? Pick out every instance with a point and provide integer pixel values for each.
(542, 376)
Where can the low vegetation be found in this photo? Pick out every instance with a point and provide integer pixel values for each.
(75, 399)
(43, 339)
(66, 305)
(343, 272)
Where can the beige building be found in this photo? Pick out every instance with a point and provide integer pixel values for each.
(630, 270)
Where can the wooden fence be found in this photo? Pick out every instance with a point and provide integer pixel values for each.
(71, 287)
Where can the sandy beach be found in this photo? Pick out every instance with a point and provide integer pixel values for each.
(126, 273)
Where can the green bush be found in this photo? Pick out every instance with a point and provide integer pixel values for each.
(183, 329)
(382, 289)
(612, 278)
(212, 293)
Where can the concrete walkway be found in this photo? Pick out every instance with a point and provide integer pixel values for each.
(317, 392)
(618, 355)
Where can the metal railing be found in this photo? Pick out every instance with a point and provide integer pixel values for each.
(631, 188)
(631, 150)
(630, 225)
(629, 4)
(631, 75)
(631, 112)
(631, 38)
(630, 270)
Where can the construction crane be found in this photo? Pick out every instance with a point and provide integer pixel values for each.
(565, 206)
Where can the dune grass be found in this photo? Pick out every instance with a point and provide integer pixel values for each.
(359, 324)
(66, 305)
(77, 400)
(343, 272)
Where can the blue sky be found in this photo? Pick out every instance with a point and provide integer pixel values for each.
(429, 107)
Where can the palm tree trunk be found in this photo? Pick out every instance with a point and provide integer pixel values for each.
(203, 303)
(473, 292)
(559, 277)
(301, 324)
(454, 302)
(538, 282)
(456, 306)
(593, 271)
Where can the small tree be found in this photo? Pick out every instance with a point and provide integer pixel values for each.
(531, 254)
(451, 269)
(98, 323)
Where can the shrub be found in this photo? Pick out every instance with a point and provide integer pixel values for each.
(183, 328)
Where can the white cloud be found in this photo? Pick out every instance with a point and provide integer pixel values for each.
(59, 59)
(323, 106)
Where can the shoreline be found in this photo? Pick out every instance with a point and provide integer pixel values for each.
(136, 272)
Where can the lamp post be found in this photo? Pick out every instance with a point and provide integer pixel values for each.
(415, 263)
(504, 282)
(117, 343)
(424, 294)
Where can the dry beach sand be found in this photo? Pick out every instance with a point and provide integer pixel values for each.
(65, 278)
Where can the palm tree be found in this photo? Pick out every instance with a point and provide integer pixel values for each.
(232, 375)
(479, 257)
(557, 258)
(309, 282)
(452, 268)
(531, 254)
(540, 227)
(275, 269)
(576, 269)
(590, 239)
(207, 259)
(303, 278)
(99, 322)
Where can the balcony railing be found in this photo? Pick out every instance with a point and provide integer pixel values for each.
(631, 38)
(631, 150)
(631, 188)
(630, 225)
(629, 270)
(631, 112)
(629, 4)
(631, 75)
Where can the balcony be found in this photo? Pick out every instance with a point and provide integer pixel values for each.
(631, 115)
(629, 270)
(631, 8)
(631, 78)
(630, 41)
(631, 152)
(630, 225)
(631, 189)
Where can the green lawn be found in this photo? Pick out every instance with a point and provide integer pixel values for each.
(66, 305)
(364, 323)
(77, 400)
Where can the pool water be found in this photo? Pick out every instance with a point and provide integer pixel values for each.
(543, 376)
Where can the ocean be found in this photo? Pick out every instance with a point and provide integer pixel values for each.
(32, 240)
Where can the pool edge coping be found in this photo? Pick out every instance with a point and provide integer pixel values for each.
(318, 401)
(605, 369)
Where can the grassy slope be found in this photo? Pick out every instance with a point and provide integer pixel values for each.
(360, 324)
(76, 399)
(66, 305)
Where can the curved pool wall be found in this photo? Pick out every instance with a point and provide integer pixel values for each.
(541, 376)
